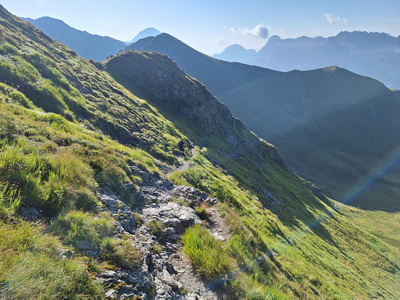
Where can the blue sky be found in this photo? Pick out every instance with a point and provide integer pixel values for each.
(212, 25)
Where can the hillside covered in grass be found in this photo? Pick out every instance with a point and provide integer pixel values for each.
(97, 202)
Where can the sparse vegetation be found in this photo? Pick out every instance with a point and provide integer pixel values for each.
(202, 211)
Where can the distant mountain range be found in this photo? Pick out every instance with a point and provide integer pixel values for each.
(372, 54)
(86, 45)
(332, 126)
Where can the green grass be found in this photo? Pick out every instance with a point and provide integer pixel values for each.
(208, 255)
(201, 210)
(384, 225)
(76, 226)
(52, 182)
(308, 238)
(31, 266)
(156, 228)
(120, 252)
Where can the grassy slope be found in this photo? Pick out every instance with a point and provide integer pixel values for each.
(55, 162)
(49, 151)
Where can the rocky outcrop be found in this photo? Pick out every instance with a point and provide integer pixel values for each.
(207, 121)
(156, 227)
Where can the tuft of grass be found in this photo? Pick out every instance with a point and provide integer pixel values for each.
(208, 255)
(120, 252)
(157, 248)
(52, 182)
(157, 228)
(36, 276)
(202, 210)
(76, 226)
(249, 287)
(9, 200)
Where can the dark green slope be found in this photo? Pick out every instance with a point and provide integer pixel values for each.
(69, 133)
(321, 120)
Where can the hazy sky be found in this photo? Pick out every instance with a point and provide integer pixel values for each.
(212, 25)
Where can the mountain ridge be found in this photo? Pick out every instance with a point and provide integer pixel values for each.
(372, 54)
(87, 45)
(236, 53)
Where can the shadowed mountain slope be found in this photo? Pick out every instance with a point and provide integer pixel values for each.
(89, 207)
(371, 54)
(90, 46)
(331, 125)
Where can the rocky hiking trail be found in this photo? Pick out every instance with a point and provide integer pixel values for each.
(183, 167)
(165, 273)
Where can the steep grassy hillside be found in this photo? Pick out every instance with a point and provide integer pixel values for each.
(332, 126)
(82, 161)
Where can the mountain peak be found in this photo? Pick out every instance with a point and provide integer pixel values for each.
(236, 53)
(148, 32)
